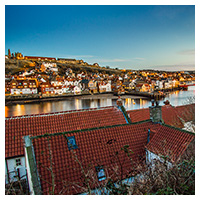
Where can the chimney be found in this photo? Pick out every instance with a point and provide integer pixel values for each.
(155, 112)
(119, 101)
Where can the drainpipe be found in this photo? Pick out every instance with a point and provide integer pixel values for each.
(148, 136)
(7, 170)
(33, 176)
(148, 140)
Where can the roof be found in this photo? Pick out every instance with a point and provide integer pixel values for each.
(170, 115)
(105, 147)
(17, 127)
(96, 147)
(139, 114)
(175, 116)
(170, 142)
(101, 135)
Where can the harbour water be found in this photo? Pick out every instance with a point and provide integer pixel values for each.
(130, 102)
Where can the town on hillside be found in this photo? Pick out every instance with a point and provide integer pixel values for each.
(42, 77)
(105, 150)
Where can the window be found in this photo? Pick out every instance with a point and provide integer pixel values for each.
(18, 162)
(71, 142)
(100, 173)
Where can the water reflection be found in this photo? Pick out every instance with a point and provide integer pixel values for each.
(176, 98)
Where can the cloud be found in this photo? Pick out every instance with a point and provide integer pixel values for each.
(174, 67)
(187, 52)
(139, 59)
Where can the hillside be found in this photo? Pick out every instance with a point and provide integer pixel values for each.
(14, 66)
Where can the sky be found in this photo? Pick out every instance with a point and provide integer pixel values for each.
(120, 36)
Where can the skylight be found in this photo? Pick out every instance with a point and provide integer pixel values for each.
(71, 142)
(100, 173)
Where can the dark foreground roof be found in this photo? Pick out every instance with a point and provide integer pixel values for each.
(96, 147)
(113, 148)
(170, 142)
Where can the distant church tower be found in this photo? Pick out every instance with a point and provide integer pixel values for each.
(9, 54)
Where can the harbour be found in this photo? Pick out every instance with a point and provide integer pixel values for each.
(130, 102)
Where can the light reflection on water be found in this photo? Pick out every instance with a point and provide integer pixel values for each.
(175, 98)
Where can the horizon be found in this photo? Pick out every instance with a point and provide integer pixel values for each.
(126, 37)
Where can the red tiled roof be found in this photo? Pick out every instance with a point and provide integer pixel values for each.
(170, 115)
(170, 142)
(139, 114)
(97, 147)
(17, 127)
(173, 115)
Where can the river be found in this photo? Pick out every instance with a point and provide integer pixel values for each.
(130, 102)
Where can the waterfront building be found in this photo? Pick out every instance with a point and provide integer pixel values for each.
(92, 85)
(77, 90)
(45, 87)
(23, 86)
(58, 90)
(102, 87)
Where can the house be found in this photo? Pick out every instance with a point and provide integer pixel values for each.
(7, 86)
(46, 88)
(92, 142)
(132, 85)
(145, 88)
(77, 90)
(58, 90)
(23, 86)
(138, 87)
(129, 86)
(125, 85)
(17, 127)
(65, 89)
(92, 85)
(168, 143)
(102, 87)
(108, 86)
(33, 83)
(96, 64)
(86, 158)
(56, 83)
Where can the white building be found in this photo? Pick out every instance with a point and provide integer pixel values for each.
(18, 91)
(77, 90)
(15, 167)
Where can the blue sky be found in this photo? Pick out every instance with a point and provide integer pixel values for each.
(131, 37)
